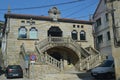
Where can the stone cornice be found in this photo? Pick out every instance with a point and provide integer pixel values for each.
(46, 18)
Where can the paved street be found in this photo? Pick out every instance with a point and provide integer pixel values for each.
(82, 76)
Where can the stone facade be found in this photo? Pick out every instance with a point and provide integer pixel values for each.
(107, 30)
(42, 24)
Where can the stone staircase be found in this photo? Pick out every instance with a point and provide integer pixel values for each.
(60, 41)
(46, 65)
(89, 56)
(92, 50)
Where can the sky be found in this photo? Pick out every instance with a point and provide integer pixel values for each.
(74, 9)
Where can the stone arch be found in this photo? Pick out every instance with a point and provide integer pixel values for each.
(69, 56)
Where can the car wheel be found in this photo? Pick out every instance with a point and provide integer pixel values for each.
(21, 77)
(7, 77)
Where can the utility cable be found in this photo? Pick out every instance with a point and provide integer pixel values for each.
(88, 6)
(44, 5)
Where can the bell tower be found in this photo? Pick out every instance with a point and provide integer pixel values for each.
(54, 13)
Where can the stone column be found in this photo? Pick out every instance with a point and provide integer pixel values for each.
(61, 66)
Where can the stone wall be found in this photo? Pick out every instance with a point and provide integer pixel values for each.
(39, 71)
(14, 43)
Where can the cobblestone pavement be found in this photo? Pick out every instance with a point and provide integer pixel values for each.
(82, 76)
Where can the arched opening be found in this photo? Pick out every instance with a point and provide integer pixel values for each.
(54, 31)
(22, 32)
(68, 56)
(56, 55)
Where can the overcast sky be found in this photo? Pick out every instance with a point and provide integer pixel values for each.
(75, 9)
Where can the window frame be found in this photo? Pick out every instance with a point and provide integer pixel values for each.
(108, 35)
(74, 35)
(27, 37)
(22, 34)
(107, 17)
(100, 39)
(82, 35)
(31, 33)
(98, 22)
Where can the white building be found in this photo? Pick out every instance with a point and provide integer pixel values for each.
(102, 31)
(107, 31)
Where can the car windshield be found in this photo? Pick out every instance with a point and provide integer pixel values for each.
(14, 67)
(107, 63)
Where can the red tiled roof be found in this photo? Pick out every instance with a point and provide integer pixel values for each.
(47, 18)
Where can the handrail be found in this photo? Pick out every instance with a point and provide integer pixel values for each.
(91, 62)
(92, 50)
(84, 52)
(95, 61)
(47, 59)
(40, 57)
(53, 40)
(88, 58)
(84, 63)
(53, 61)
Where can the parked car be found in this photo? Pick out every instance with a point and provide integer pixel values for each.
(14, 71)
(105, 70)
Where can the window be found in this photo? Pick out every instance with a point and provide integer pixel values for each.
(73, 26)
(33, 33)
(33, 22)
(74, 35)
(100, 39)
(98, 22)
(82, 35)
(22, 32)
(22, 21)
(82, 26)
(107, 18)
(108, 35)
(28, 22)
(78, 26)
(105, 1)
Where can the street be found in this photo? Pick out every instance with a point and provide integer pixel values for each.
(81, 76)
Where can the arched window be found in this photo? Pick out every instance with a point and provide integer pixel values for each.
(22, 32)
(82, 35)
(74, 35)
(33, 33)
(55, 31)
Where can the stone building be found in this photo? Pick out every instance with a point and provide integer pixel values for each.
(107, 30)
(62, 42)
(101, 29)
